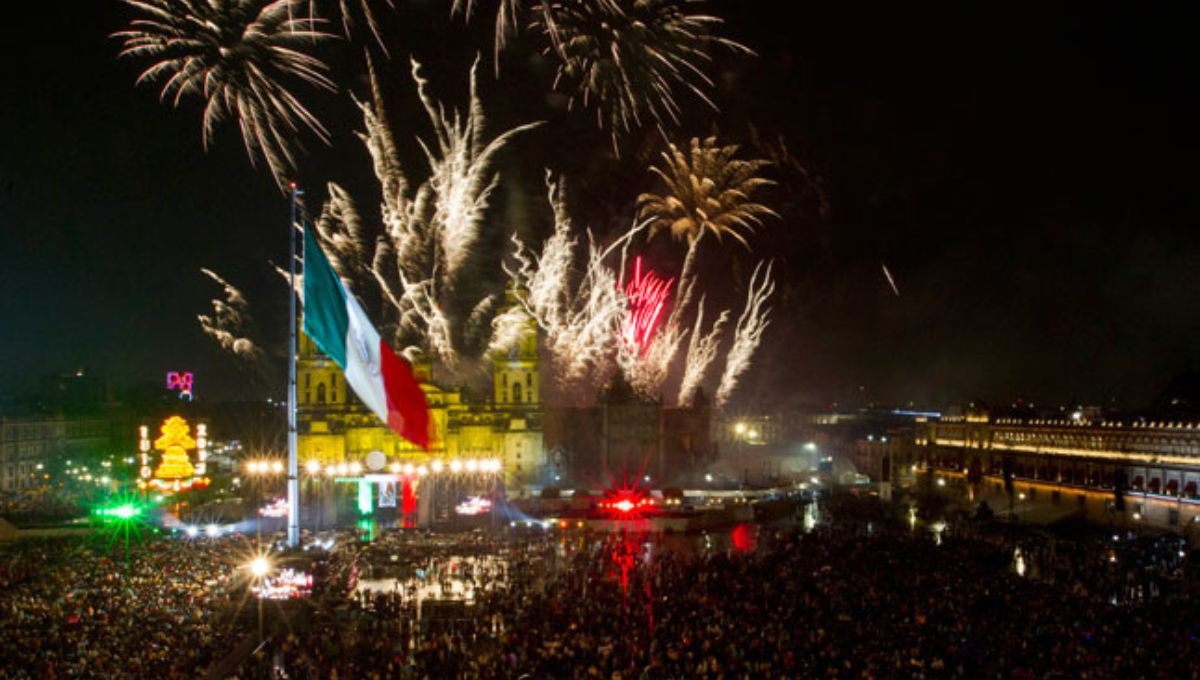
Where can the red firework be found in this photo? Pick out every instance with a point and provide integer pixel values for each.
(645, 297)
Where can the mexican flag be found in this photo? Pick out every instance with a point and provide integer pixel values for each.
(337, 324)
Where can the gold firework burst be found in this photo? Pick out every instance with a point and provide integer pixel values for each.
(237, 55)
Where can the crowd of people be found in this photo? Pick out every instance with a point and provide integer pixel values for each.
(854, 597)
(98, 607)
(864, 593)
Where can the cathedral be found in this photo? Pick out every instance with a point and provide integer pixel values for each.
(333, 427)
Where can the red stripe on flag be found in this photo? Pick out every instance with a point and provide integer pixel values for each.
(408, 411)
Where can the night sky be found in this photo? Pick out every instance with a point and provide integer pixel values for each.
(1025, 174)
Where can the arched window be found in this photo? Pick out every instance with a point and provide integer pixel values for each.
(321, 393)
(516, 391)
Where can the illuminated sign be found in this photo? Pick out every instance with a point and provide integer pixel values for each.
(474, 505)
(182, 381)
(288, 584)
(175, 471)
(276, 508)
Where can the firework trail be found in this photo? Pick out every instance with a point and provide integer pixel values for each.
(581, 322)
(648, 369)
(236, 55)
(461, 177)
(702, 350)
(593, 325)
(509, 329)
(748, 333)
(628, 59)
(891, 281)
(344, 237)
(508, 21)
(708, 192)
(228, 322)
(347, 8)
(429, 233)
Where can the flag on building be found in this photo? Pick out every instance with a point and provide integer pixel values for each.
(339, 327)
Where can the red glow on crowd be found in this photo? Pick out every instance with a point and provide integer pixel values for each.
(646, 296)
(742, 538)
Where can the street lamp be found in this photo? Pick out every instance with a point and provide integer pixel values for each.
(259, 568)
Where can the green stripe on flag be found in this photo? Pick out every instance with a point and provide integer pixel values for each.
(325, 318)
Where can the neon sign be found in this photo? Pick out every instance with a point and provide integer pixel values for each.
(182, 381)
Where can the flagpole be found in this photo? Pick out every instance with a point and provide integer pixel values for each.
(293, 469)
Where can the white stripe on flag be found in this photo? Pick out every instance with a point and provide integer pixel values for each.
(362, 360)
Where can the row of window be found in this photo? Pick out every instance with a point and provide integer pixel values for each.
(518, 396)
(528, 380)
(1031, 440)
(53, 430)
(324, 395)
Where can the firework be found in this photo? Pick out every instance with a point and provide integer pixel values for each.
(347, 8)
(646, 296)
(229, 320)
(708, 192)
(237, 56)
(343, 236)
(702, 350)
(507, 20)
(461, 177)
(647, 370)
(581, 320)
(646, 350)
(628, 59)
(891, 281)
(748, 332)
(429, 234)
(594, 325)
(509, 329)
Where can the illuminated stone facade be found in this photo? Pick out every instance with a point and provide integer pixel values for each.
(334, 427)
